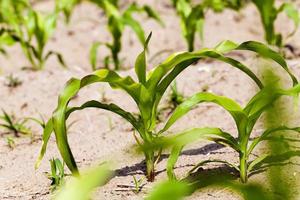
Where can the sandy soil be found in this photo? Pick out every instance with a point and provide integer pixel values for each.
(92, 137)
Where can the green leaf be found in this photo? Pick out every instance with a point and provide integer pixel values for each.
(293, 13)
(226, 46)
(172, 161)
(256, 162)
(58, 56)
(46, 136)
(229, 105)
(266, 52)
(174, 190)
(140, 63)
(66, 6)
(48, 26)
(135, 26)
(80, 188)
(266, 133)
(73, 86)
(110, 107)
(93, 54)
(192, 135)
(152, 14)
(182, 60)
(268, 14)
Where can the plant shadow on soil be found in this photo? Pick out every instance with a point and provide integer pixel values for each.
(140, 168)
(211, 176)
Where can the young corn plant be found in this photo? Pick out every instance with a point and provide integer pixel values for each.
(192, 16)
(191, 20)
(146, 92)
(117, 21)
(245, 119)
(269, 13)
(32, 30)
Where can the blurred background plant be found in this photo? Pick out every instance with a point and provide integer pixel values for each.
(29, 28)
(117, 21)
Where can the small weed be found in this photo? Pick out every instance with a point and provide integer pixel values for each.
(12, 81)
(11, 142)
(57, 174)
(137, 184)
(13, 125)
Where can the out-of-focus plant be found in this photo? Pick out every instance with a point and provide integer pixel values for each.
(147, 93)
(80, 188)
(117, 21)
(269, 13)
(192, 16)
(178, 190)
(13, 125)
(172, 189)
(31, 29)
(12, 81)
(6, 39)
(282, 148)
(11, 142)
(191, 20)
(66, 7)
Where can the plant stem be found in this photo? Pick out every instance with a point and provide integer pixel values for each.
(116, 61)
(150, 173)
(190, 42)
(243, 167)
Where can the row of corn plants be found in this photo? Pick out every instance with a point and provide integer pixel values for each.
(29, 28)
(147, 93)
(192, 17)
(32, 29)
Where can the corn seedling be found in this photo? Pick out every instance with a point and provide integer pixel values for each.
(12, 81)
(117, 21)
(192, 16)
(191, 20)
(245, 119)
(15, 126)
(57, 174)
(147, 93)
(269, 13)
(31, 29)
